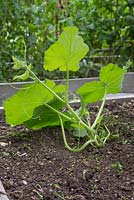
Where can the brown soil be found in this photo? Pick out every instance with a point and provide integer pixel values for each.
(34, 165)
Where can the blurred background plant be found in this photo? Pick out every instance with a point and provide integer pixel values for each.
(106, 26)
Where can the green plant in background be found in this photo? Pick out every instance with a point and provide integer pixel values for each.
(41, 104)
(103, 24)
(29, 21)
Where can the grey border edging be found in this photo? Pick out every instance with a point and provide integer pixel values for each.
(3, 194)
(8, 89)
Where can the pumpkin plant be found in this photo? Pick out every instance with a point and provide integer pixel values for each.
(43, 103)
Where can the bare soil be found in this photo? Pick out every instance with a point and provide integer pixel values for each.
(34, 165)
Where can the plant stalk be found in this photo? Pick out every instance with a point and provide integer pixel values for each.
(67, 85)
(58, 112)
(100, 111)
(42, 83)
(91, 130)
(65, 140)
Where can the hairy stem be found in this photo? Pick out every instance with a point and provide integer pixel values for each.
(42, 83)
(58, 112)
(67, 85)
(106, 138)
(100, 111)
(91, 130)
(70, 108)
(66, 143)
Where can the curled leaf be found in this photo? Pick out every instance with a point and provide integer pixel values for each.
(18, 64)
(23, 76)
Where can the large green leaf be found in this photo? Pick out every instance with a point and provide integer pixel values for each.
(112, 76)
(20, 107)
(66, 52)
(44, 116)
(92, 91)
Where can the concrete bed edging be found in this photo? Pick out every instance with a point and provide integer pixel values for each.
(8, 89)
(3, 194)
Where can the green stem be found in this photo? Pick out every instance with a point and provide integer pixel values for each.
(58, 112)
(42, 83)
(70, 108)
(106, 138)
(25, 52)
(100, 111)
(96, 141)
(67, 85)
(91, 130)
(65, 140)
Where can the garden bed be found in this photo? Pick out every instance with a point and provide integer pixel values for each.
(35, 164)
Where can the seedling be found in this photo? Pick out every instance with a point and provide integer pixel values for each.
(118, 167)
(43, 103)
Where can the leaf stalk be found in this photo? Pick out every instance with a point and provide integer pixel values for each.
(100, 111)
(66, 143)
(42, 83)
(67, 85)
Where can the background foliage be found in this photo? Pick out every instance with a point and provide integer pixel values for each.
(106, 26)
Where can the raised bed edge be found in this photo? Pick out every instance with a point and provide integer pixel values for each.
(3, 195)
(8, 89)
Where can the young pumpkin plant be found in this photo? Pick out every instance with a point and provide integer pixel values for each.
(41, 103)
